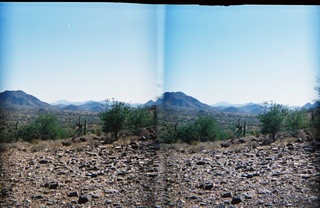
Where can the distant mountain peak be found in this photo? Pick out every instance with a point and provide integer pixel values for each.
(178, 100)
(20, 98)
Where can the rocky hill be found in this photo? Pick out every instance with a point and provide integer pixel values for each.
(21, 99)
(175, 100)
(85, 172)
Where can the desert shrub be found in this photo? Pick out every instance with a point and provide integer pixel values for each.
(297, 119)
(121, 116)
(138, 118)
(202, 130)
(7, 137)
(114, 118)
(316, 121)
(168, 137)
(45, 127)
(273, 119)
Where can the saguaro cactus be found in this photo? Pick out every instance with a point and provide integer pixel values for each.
(244, 128)
(81, 127)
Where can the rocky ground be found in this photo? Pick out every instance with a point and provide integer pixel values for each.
(88, 173)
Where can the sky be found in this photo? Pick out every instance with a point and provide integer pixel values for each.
(135, 52)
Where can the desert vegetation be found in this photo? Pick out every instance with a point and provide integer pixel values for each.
(110, 158)
(119, 116)
(170, 125)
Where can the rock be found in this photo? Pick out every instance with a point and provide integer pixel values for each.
(94, 175)
(206, 186)
(263, 191)
(37, 197)
(225, 144)
(152, 175)
(84, 199)
(299, 140)
(249, 175)
(290, 146)
(66, 143)
(201, 163)
(276, 174)
(236, 200)
(226, 194)
(111, 191)
(51, 185)
(241, 140)
(43, 161)
(74, 193)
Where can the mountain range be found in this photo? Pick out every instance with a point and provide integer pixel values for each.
(172, 100)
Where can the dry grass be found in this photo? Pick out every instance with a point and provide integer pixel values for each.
(240, 145)
(20, 146)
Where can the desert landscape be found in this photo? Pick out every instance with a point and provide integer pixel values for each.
(142, 168)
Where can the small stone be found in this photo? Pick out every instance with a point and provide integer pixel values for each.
(94, 175)
(305, 176)
(152, 175)
(201, 163)
(84, 199)
(276, 174)
(108, 202)
(111, 191)
(43, 161)
(236, 200)
(249, 175)
(226, 194)
(74, 193)
(193, 197)
(263, 191)
(208, 186)
(51, 185)
(256, 174)
(37, 197)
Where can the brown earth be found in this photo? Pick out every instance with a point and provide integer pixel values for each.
(132, 173)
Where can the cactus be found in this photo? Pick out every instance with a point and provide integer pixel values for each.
(85, 127)
(244, 128)
(81, 127)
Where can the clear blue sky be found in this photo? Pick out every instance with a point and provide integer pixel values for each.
(134, 52)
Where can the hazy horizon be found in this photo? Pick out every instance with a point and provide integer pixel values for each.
(135, 52)
(220, 103)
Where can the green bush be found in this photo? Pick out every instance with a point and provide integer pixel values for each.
(203, 129)
(273, 119)
(121, 116)
(114, 118)
(138, 118)
(316, 121)
(45, 127)
(297, 119)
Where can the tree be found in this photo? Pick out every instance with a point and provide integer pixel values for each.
(297, 119)
(115, 117)
(138, 118)
(273, 119)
